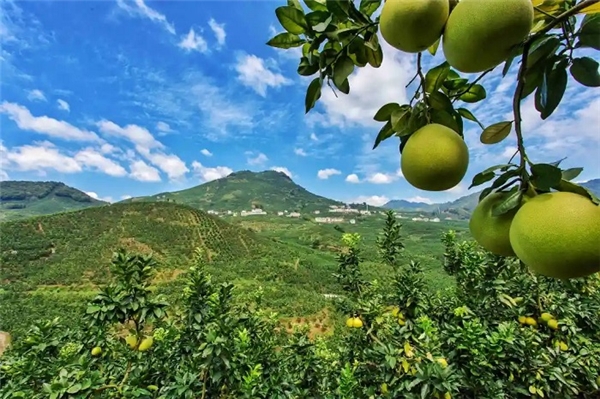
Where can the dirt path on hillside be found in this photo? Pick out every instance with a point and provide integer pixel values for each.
(4, 341)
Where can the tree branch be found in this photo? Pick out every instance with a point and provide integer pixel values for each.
(422, 77)
(473, 83)
(521, 80)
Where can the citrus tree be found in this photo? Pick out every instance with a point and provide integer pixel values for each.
(531, 210)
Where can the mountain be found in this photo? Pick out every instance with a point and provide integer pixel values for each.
(19, 199)
(462, 207)
(269, 190)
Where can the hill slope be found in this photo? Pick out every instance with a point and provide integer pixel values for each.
(463, 206)
(19, 199)
(269, 190)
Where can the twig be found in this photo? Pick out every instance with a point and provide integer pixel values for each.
(422, 77)
(544, 12)
(125, 376)
(565, 15)
(473, 83)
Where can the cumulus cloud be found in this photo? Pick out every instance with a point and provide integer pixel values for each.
(63, 105)
(193, 42)
(256, 159)
(140, 170)
(206, 153)
(163, 127)
(36, 95)
(282, 170)
(352, 178)
(327, 173)
(254, 73)
(207, 174)
(375, 200)
(300, 151)
(96, 196)
(218, 30)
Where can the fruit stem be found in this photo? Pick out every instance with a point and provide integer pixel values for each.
(473, 83)
(422, 77)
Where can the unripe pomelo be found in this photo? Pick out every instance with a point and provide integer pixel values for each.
(492, 232)
(413, 25)
(146, 344)
(558, 235)
(480, 34)
(96, 351)
(546, 317)
(435, 158)
(131, 341)
(357, 323)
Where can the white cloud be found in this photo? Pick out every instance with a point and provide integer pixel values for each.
(3, 175)
(218, 30)
(45, 125)
(382, 178)
(193, 42)
(205, 152)
(93, 159)
(282, 170)
(207, 174)
(300, 151)
(254, 73)
(418, 198)
(375, 200)
(171, 164)
(141, 171)
(126, 196)
(314, 137)
(327, 173)
(139, 8)
(36, 95)
(95, 196)
(259, 159)
(39, 157)
(352, 178)
(63, 105)
(163, 127)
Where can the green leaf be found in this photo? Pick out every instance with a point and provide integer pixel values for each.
(545, 176)
(474, 94)
(339, 8)
(496, 133)
(585, 71)
(357, 52)
(455, 84)
(570, 174)
(385, 133)
(440, 101)
(465, 113)
(589, 33)
(571, 187)
(342, 68)
(313, 93)
(550, 93)
(480, 178)
(343, 86)
(485, 193)
(542, 49)
(316, 5)
(435, 77)
(511, 202)
(399, 118)
(368, 7)
(445, 118)
(296, 4)
(291, 19)
(286, 40)
(433, 48)
(385, 112)
(374, 58)
(74, 389)
(533, 78)
(515, 51)
(305, 68)
(319, 20)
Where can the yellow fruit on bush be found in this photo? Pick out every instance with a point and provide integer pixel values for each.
(546, 317)
(530, 321)
(152, 388)
(563, 346)
(413, 25)
(492, 232)
(350, 322)
(558, 235)
(553, 324)
(442, 362)
(522, 319)
(447, 395)
(131, 341)
(357, 323)
(384, 388)
(146, 344)
(401, 322)
(435, 158)
(479, 34)
(96, 351)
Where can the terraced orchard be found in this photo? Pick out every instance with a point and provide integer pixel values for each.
(61, 259)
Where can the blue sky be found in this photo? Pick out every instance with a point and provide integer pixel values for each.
(127, 98)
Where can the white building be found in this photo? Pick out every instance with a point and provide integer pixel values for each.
(329, 220)
(293, 215)
(255, 211)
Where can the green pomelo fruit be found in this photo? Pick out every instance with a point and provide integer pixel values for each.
(413, 25)
(492, 232)
(435, 158)
(558, 235)
(479, 34)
